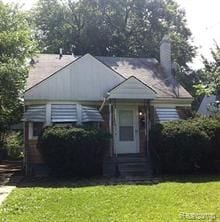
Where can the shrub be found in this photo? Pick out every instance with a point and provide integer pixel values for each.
(73, 151)
(187, 145)
(14, 145)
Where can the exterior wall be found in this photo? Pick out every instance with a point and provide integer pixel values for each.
(142, 136)
(105, 128)
(152, 115)
(184, 112)
(143, 140)
(33, 156)
(86, 79)
(33, 153)
(105, 115)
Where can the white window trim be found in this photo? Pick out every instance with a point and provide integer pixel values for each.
(48, 114)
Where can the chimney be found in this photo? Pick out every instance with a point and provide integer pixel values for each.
(61, 53)
(166, 63)
(165, 55)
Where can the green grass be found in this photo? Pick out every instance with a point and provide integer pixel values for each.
(161, 202)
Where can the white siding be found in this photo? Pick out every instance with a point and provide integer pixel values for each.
(132, 89)
(84, 80)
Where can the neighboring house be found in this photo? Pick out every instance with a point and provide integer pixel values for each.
(208, 106)
(124, 96)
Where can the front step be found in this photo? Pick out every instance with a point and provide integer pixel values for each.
(128, 165)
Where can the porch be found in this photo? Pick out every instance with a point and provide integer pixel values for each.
(130, 117)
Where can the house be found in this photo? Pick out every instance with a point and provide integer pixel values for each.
(124, 96)
(208, 106)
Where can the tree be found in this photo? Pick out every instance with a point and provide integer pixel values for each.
(16, 45)
(113, 27)
(210, 75)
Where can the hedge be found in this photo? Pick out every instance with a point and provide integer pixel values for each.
(72, 151)
(187, 146)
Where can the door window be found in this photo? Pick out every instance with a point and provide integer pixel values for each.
(126, 128)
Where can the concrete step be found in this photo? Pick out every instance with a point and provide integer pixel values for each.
(126, 159)
(134, 164)
(128, 165)
(142, 179)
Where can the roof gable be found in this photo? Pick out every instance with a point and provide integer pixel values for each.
(204, 105)
(132, 88)
(86, 78)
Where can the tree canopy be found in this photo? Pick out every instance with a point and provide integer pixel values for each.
(113, 27)
(210, 75)
(16, 45)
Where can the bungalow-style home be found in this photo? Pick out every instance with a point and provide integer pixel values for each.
(124, 96)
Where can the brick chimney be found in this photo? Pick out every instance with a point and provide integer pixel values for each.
(166, 63)
(165, 55)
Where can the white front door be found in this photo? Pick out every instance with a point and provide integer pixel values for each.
(127, 133)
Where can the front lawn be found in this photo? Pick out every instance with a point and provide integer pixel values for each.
(161, 202)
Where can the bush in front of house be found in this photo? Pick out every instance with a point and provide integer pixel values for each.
(14, 145)
(187, 146)
(76, 152)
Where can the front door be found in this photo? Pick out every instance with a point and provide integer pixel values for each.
(127, 133)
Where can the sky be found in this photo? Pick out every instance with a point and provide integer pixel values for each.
(203, 19)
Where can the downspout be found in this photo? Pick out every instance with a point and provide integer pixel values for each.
(102, 105)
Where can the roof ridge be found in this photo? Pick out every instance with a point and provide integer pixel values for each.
(127, 57)
(119, 57)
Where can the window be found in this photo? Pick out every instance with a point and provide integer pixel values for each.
(126, 128)
(37, 127)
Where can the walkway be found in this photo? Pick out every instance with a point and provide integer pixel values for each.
(10, 175)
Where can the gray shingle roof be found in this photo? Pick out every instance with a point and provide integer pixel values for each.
(46, 65)
(145, 69)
